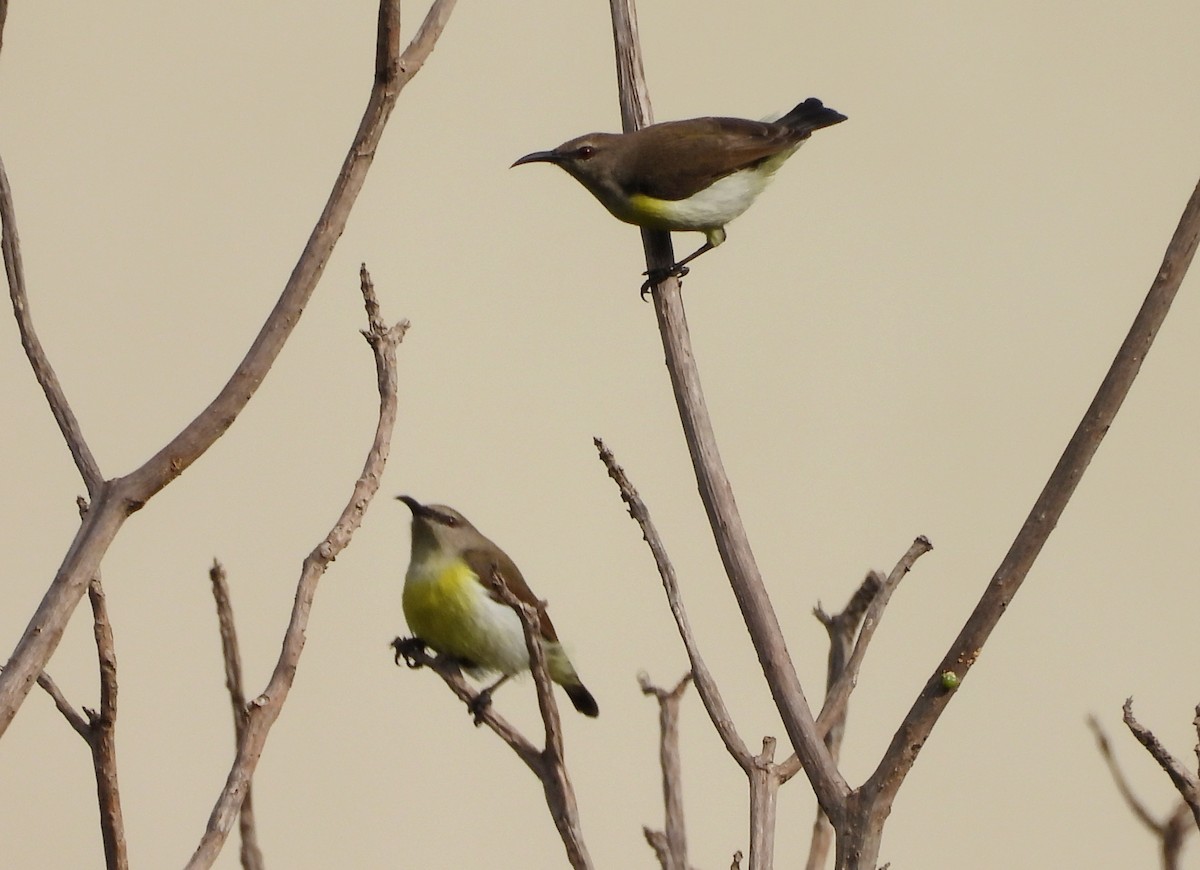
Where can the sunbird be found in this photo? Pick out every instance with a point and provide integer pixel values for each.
(686, 175)
(450, 605)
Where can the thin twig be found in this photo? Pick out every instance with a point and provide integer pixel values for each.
(706, 685)
(74, 718)
(114, 501)
(265, 709)
(963, 653)
(251, 854)
(839, 693)
(716, 492)
(1139, 809)
(1183, 779)
(671, 845)
(43, 371)
(556, 783)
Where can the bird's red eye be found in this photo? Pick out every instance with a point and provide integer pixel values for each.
(584, 152)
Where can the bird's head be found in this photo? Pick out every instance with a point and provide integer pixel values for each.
(592, 160)
(438, 527)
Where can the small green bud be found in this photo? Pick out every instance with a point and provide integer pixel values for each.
(950, 681)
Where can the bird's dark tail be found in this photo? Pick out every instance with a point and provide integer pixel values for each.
(811, 115)
(583, 700)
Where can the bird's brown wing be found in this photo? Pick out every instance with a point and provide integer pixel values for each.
(484, 563)
(680, 158)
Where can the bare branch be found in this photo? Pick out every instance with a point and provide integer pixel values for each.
(251, 854)
(102, 735)
(1126, 791)
(74, 718)
(715, 489)
(1172, 831)
(710, 694)
(112, 502)
(1175, 833)
(671, 846)
(842, 629)
(764, 806)
(1184, 780)
(556, 783)
(657, 841)
(839, 693)
(265, 709)
(10, 242)
(417, 656)
(919, 722)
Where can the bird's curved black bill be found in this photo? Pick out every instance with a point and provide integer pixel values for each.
(538, 157)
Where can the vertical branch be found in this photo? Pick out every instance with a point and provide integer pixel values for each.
(715, 489)
(251, 854)
(841, 629)
(670, 845)
(102, 735)
(765, 780)
(556, 783)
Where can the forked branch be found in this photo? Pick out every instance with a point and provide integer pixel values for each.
(114, 501)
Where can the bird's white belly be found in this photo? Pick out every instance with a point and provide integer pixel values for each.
(717, 204)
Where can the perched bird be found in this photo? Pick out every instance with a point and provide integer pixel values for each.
(686, 175)
(450, 606)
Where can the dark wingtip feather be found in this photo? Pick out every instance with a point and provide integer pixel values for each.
(583, 700)
(811, 115)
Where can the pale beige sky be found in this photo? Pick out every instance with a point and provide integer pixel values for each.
(897, 340)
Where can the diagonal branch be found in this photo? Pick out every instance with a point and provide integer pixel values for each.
(715, 489)
(43, 371)
(265, 709)
(417, 656)
(1183, 779)
(74, 718)
(839, 693)
(1139, 809)
(706, 685)
(114, 501)
(917, 725)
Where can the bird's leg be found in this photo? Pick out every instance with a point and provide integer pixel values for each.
(678, 270)
(484, 699)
